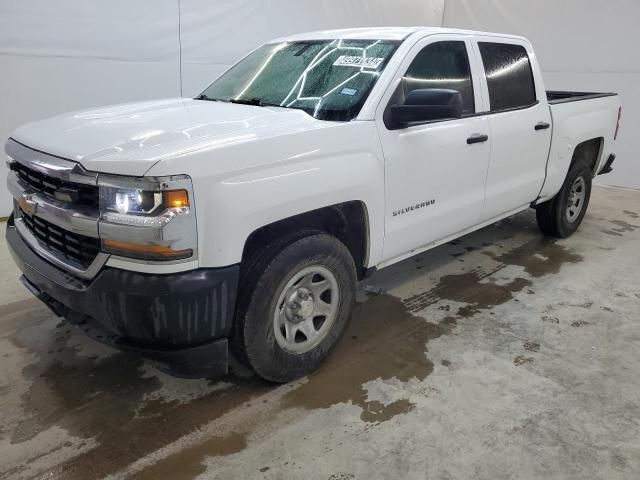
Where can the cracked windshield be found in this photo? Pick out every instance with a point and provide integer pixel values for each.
(328, 79)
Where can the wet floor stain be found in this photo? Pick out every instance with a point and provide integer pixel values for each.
(621, 227)
(22, 314)
(375, 411)
(580, 323)
(531, 346)
(107, 399)
(631, 214)
(390, 344)
(586, 305)
(522, 360)
(341, 476)
(66, 386)
(468, 288)
(383, 341)
(190, 462)
(550, 319)
(538, 257)
(104, 399)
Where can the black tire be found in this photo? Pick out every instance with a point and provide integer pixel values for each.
(552, 215)
(253, 339)
(256, 262)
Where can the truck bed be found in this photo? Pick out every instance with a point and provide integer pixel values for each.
(557, 96)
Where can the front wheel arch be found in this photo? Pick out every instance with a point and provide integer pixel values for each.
(346, 221)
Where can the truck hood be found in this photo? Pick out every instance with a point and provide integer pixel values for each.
(129, 139)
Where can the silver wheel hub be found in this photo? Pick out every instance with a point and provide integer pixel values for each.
(300, 305)
(577, 196)
(306, 309)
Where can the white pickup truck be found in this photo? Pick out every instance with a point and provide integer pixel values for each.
(242, 219)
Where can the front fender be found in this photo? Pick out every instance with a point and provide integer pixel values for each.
(345, 166)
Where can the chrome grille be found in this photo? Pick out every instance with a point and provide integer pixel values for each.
(71, 247)
(78, 194)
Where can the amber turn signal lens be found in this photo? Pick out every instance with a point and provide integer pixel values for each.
(144, 252)
(175, 198)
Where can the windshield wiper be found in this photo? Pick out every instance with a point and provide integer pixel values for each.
(248, 101)
(251, 101)
(255, 102)
(202, 96)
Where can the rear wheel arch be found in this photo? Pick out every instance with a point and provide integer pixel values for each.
(553, 216)
(589, 152)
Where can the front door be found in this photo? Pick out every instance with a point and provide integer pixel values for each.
(435, 172)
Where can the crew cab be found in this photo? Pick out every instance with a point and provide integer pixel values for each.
(241, 220)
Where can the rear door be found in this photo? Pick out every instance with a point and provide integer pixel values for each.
(519, 121)
(434, 178)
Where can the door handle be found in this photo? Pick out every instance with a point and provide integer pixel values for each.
(477, 138)
(541, 126)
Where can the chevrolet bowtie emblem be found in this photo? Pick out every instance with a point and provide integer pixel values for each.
(28, 204)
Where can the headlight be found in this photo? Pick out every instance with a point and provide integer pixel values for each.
(134, 201)
(143, 202)
(147, 218)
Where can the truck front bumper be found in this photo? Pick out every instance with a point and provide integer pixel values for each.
(178, 321)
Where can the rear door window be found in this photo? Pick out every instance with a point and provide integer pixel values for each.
(509, 76)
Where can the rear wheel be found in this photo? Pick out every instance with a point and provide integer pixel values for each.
(563, 214)
(295, 304)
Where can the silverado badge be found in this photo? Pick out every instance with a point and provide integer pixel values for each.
(411, 208)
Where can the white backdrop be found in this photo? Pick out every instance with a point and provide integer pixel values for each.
(61, 55)
(588, 45)
(216, 33)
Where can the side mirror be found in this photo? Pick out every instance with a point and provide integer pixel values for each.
(425, 105)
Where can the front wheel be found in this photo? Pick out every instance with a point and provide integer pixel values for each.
(297, 303)
(563, 214)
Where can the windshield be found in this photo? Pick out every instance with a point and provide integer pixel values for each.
(328, 79)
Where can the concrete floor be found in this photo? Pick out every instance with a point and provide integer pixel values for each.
(500, 355)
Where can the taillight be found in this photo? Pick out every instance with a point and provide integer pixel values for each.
(615, 136)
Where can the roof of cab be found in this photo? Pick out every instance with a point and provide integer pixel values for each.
(380, 33)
